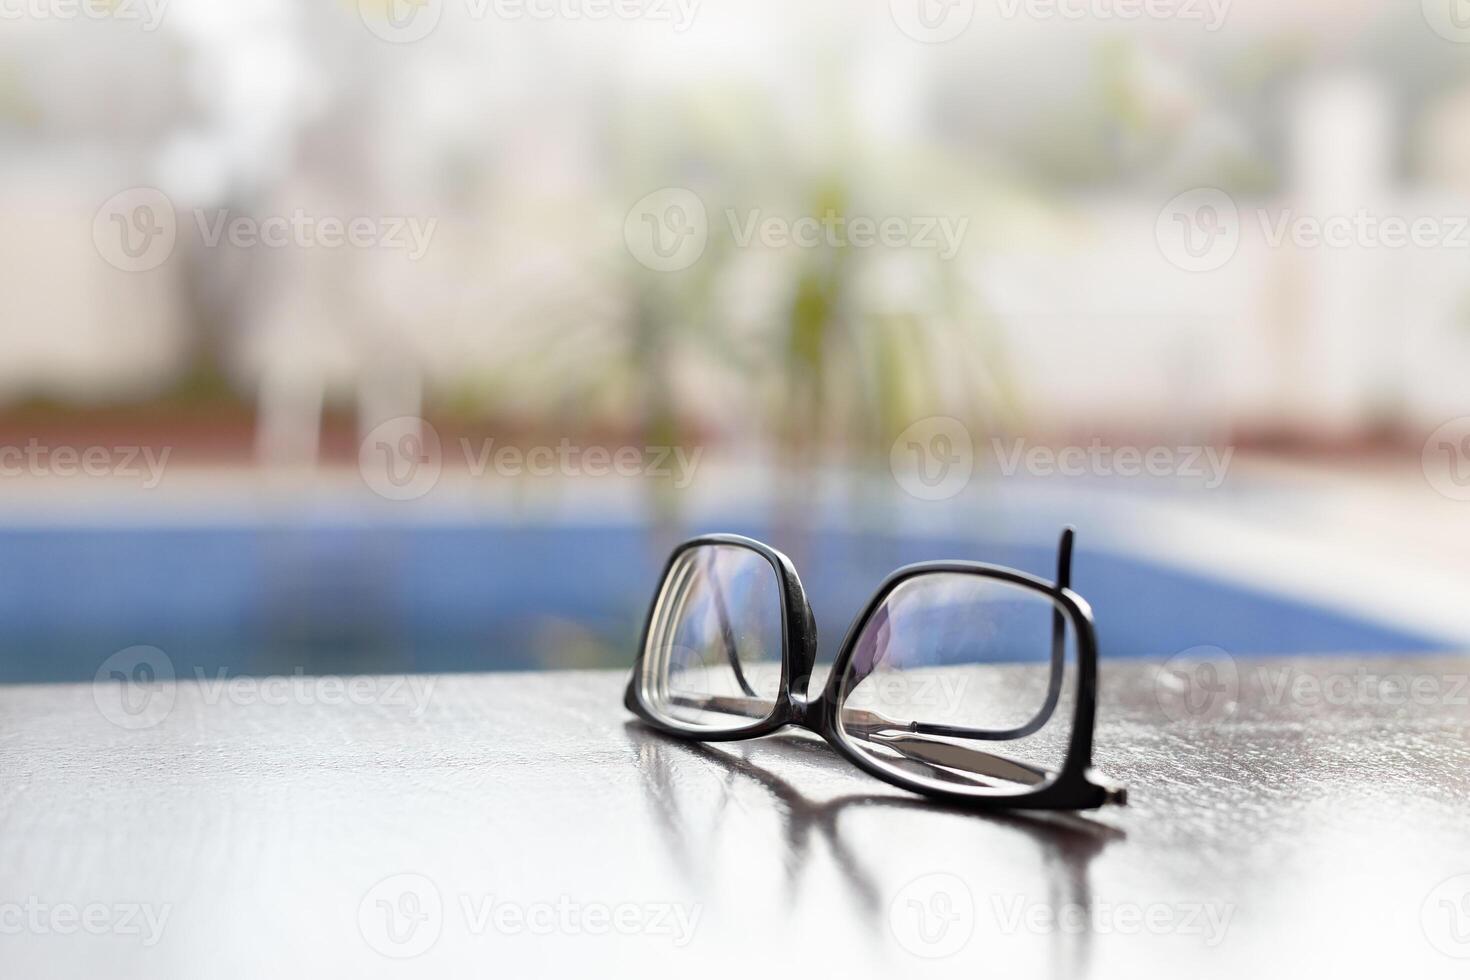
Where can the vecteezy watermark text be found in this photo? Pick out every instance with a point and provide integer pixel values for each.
(302, 229)
(133, 462)
(134, 919)
(137, 230)
(403, 916)
(940, 694)
(1361, 687)
(668, 229)
(1208, 920)
(938, 21)
(1206, 683)
(407, 21)
(137, 689)
(403, 459)
(147, 12)
(1201, 229)
(567, 458)
(566, 916)
(935, 916)
(942, 234)
(1205, 463)
(1210, 14)
(412, 691)
(934, 459)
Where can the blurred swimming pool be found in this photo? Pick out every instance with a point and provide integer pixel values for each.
(329, 598)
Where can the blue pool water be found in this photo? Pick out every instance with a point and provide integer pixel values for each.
(318, 598)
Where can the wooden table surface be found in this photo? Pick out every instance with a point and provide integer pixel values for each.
(521, 825)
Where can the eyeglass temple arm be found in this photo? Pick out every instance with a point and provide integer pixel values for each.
(911, 741)
(966, 761)
(1058, 641)
(729, 704)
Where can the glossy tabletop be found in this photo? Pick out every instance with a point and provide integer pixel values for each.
(1296, 817)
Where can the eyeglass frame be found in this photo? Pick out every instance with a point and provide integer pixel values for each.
(1074, 786)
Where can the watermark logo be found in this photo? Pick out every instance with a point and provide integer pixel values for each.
(933, 916)
(135, 230)
(135, 688)
(401, 21)
(1198, 684)
(1450, 19)
(1199, 231)
(401, 459)
(1446, 459)
(667, 230)
(401, 916)
(933, 459)
(932, 21)
(1445, 916)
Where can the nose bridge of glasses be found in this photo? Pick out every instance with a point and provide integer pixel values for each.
(800, 650)
(815, 714)
(801, 713)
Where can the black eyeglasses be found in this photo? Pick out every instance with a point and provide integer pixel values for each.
(945, 654)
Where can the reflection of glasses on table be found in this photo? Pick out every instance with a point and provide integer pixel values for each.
(945, 657)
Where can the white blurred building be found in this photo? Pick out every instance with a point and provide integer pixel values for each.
(275, 107)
